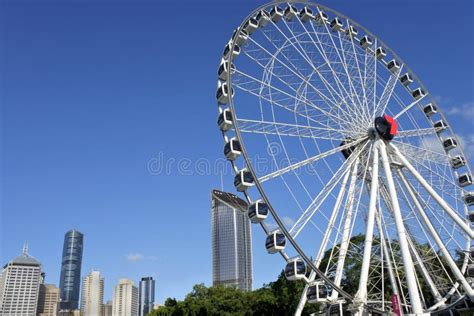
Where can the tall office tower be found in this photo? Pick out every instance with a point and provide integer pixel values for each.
(48, 300)
(231, 241)
(92, 295)
(125, 299)
(70, 280)
(19, 285)
(107, 309)
(146, 296)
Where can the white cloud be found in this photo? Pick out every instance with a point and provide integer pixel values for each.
(288, 221)
(466, 110)
(467, 143)
(134, 257)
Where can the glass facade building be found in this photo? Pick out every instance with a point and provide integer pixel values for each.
(70, 279)
(146, 296)
(231, 241)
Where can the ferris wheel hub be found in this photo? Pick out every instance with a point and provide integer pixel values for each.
(386, 127)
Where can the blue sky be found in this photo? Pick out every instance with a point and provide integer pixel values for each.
(95, 93)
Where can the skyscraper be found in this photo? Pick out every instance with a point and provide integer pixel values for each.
(107, 309)
(125, 299)
(92, 295)
(146, 296)
(231, 241)
(19, 285)
(70, 280)
(48, 300)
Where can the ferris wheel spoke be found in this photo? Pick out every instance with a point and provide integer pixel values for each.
(434, 234)
(418, 132)
(319, 200)
(406, 256)
(408, 107)
(416, 153)
(252, 79)
(285, 129)
(388, 91)
(459, 221)
(309, 160)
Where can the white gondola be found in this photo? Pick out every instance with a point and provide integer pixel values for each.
(380, 53)
(351, 31)
(250, 26)
(224, 121)
(406, 79)
(336, 24)
(275, 242)
(440, 126)
(365, 42)
(240, 38)
(430, 109)
(263, 17)
(235, 52)
(243, 180)
(290, 12)
(449, 143)
(232, 149)
(321, 17)
(458, 161)
(224, 69)
(470, 270)
(317, 292)
(464, 180)
(418, 93)
(276, 13)
(393, 66)
(258, 211)
(222, 94)
(295, 269)
(306, 14)
(468, 198)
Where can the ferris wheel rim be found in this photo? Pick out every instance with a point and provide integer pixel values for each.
(249, 165)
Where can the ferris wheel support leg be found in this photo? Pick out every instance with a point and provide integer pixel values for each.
(324, 242)
(461, 223)
(346, 232)
(361, 296)
(417, 308)
(450, 261)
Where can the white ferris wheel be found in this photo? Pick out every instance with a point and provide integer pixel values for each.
(347, 162)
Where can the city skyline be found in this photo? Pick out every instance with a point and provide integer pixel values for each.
(102, 107)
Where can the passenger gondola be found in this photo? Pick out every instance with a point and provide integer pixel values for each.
(440, 126)
(469, 199)
(418, 93)
(380, 53)
(223, 70)
(224, 121)
(263, 17)
(317, 292)
(295, 269)
(351, 31)
(393, 66)
(232, 149)
(290, 12)
(321, 17)
(430, 109)
(275, 242)
(449, 143)
(250, 26)
(240, 38)
(464, 180)
(458, 161)
(235, 52)
(222, 94)
(365, 42)
(306, 14)
(243, 180)
(406, 79)
(276, 13)
(258, 211)
(336, 24)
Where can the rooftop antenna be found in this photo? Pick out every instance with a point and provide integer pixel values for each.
(25, 248)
